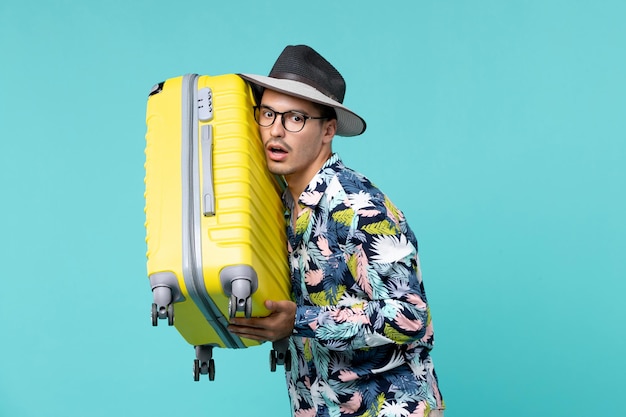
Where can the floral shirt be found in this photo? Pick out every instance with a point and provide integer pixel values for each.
(363, 332)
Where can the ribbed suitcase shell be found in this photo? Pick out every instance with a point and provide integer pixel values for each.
(247, 227)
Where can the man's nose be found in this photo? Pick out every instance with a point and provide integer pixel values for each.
(277, 129)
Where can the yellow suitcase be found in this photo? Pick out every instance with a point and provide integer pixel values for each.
(214, 220)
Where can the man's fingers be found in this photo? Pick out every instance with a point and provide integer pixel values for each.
(244, 322)
(277, 325)
(253, 333)
(247, 331)
(282, 306)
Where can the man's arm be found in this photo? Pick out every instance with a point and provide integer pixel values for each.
(388, 304)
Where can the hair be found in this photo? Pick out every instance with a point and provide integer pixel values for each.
(326, 111)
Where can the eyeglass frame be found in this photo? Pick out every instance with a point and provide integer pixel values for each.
(305, 117)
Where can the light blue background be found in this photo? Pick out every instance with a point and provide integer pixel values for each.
(497, 126)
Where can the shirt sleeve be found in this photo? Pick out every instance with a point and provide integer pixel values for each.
(385, 302)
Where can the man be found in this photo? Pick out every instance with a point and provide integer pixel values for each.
(360, 330)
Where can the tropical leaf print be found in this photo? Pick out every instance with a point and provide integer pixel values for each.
(394, 409)
(417, 301)
(309, 412)
(357, 284)
(302, 223)
(354, 315)
(368, 213)
(391, 309)
(337, 331)
(350, 300)
(322, 358)
(336, 194)
(381, 228)
(405, 323)
(396, 335)
(375, 407)
(308, 354)
(339, 364)
(353, 404)
(318, 298)
(422, 410)
(398, 283)
(379, 288)
(326, 298)
(336, 345)
(346, 375)
(315, 256)
(314, 277)
(320, 228)
(390, 249)
(344, 216)
(376, 314)
(311, 198)
(322, 244)
(360, 200)
(393, 212)
(357, 263)
(376, 339)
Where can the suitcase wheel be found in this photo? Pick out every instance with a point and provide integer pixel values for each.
(272, 360)
(204, 363)
(196, 370)
(170, 315)
(239, 282)
(288, 361)
(280, 358)
(161, 313)
(239, 304)
(155, 315)
(204, 368)
(211, 370)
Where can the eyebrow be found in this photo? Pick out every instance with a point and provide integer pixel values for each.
(287, 111)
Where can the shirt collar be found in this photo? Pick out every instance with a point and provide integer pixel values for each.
(313, 192)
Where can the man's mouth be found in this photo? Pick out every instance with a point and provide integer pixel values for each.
(276, 149)
(276, 153)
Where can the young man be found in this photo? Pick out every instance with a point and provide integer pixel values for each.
(360, 330)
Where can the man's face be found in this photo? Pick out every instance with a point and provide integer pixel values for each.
(297, 156)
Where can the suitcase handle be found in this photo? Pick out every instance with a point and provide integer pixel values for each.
(208, 193)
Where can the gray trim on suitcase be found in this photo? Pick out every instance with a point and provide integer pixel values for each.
(192, 244)
(165, 288)
(239, 282)
(208, 194)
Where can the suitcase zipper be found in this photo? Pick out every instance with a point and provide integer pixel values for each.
(192, 244)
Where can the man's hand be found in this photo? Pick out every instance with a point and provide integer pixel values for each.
(278, 325)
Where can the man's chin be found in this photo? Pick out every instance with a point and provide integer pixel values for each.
(277, 168)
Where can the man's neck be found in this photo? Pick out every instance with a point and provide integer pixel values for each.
(296, 191)
(298, 183)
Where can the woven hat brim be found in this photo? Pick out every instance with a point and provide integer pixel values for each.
(348, 122)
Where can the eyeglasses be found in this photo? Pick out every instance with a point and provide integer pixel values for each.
(293, 121)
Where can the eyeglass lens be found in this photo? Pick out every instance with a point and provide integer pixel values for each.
(292, 121)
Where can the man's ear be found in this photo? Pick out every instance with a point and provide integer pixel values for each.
(329, 130)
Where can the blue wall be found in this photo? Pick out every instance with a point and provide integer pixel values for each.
(498, 127)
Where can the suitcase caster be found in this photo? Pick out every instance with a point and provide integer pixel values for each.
(204, 363)
(203, 369)
(277, 358)
(161, 313)
(280, 355)
(155, 315)
(170, 315)
(196, 370)
(239, 304)
(239, 282)
(163, 306)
